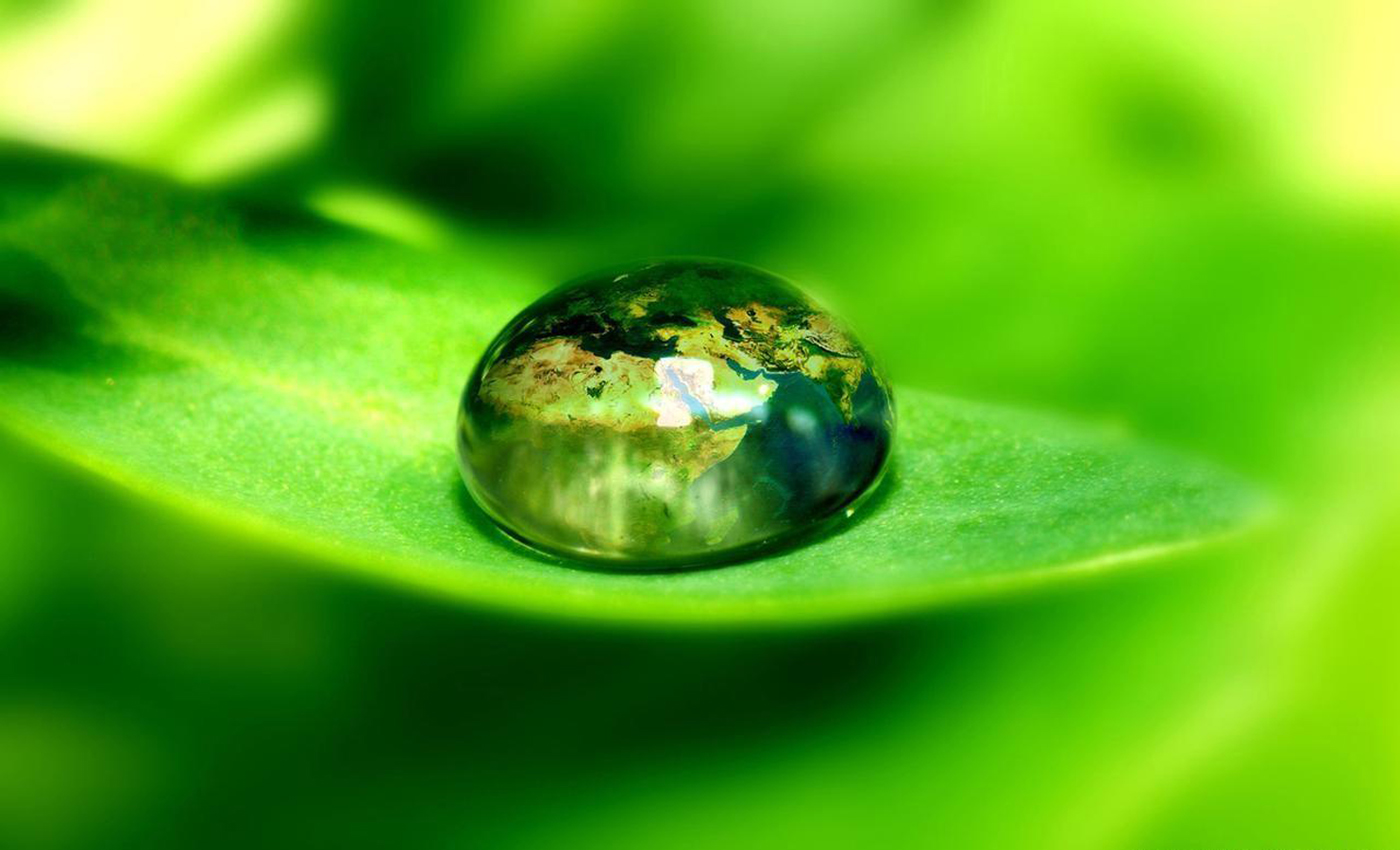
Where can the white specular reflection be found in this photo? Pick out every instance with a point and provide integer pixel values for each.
(687, 390)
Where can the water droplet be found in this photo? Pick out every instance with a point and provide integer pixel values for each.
(675, 412)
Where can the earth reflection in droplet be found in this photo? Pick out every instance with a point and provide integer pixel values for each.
(676, 412)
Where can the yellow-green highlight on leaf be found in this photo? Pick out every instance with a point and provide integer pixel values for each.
(299, 380)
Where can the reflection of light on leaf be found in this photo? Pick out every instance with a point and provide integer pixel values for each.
(379, 212)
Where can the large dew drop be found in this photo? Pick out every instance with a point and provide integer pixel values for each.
(677, 412)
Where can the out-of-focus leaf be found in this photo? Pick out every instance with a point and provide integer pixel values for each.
(297, 379)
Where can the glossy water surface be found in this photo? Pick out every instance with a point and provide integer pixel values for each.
(672, 413)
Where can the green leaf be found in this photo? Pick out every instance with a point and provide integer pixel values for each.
(299, 380)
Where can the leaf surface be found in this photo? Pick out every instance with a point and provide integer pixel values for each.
(300, 380)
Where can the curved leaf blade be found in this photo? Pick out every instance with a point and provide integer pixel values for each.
(300, 379)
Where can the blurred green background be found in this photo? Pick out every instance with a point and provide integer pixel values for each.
(1182, 219)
